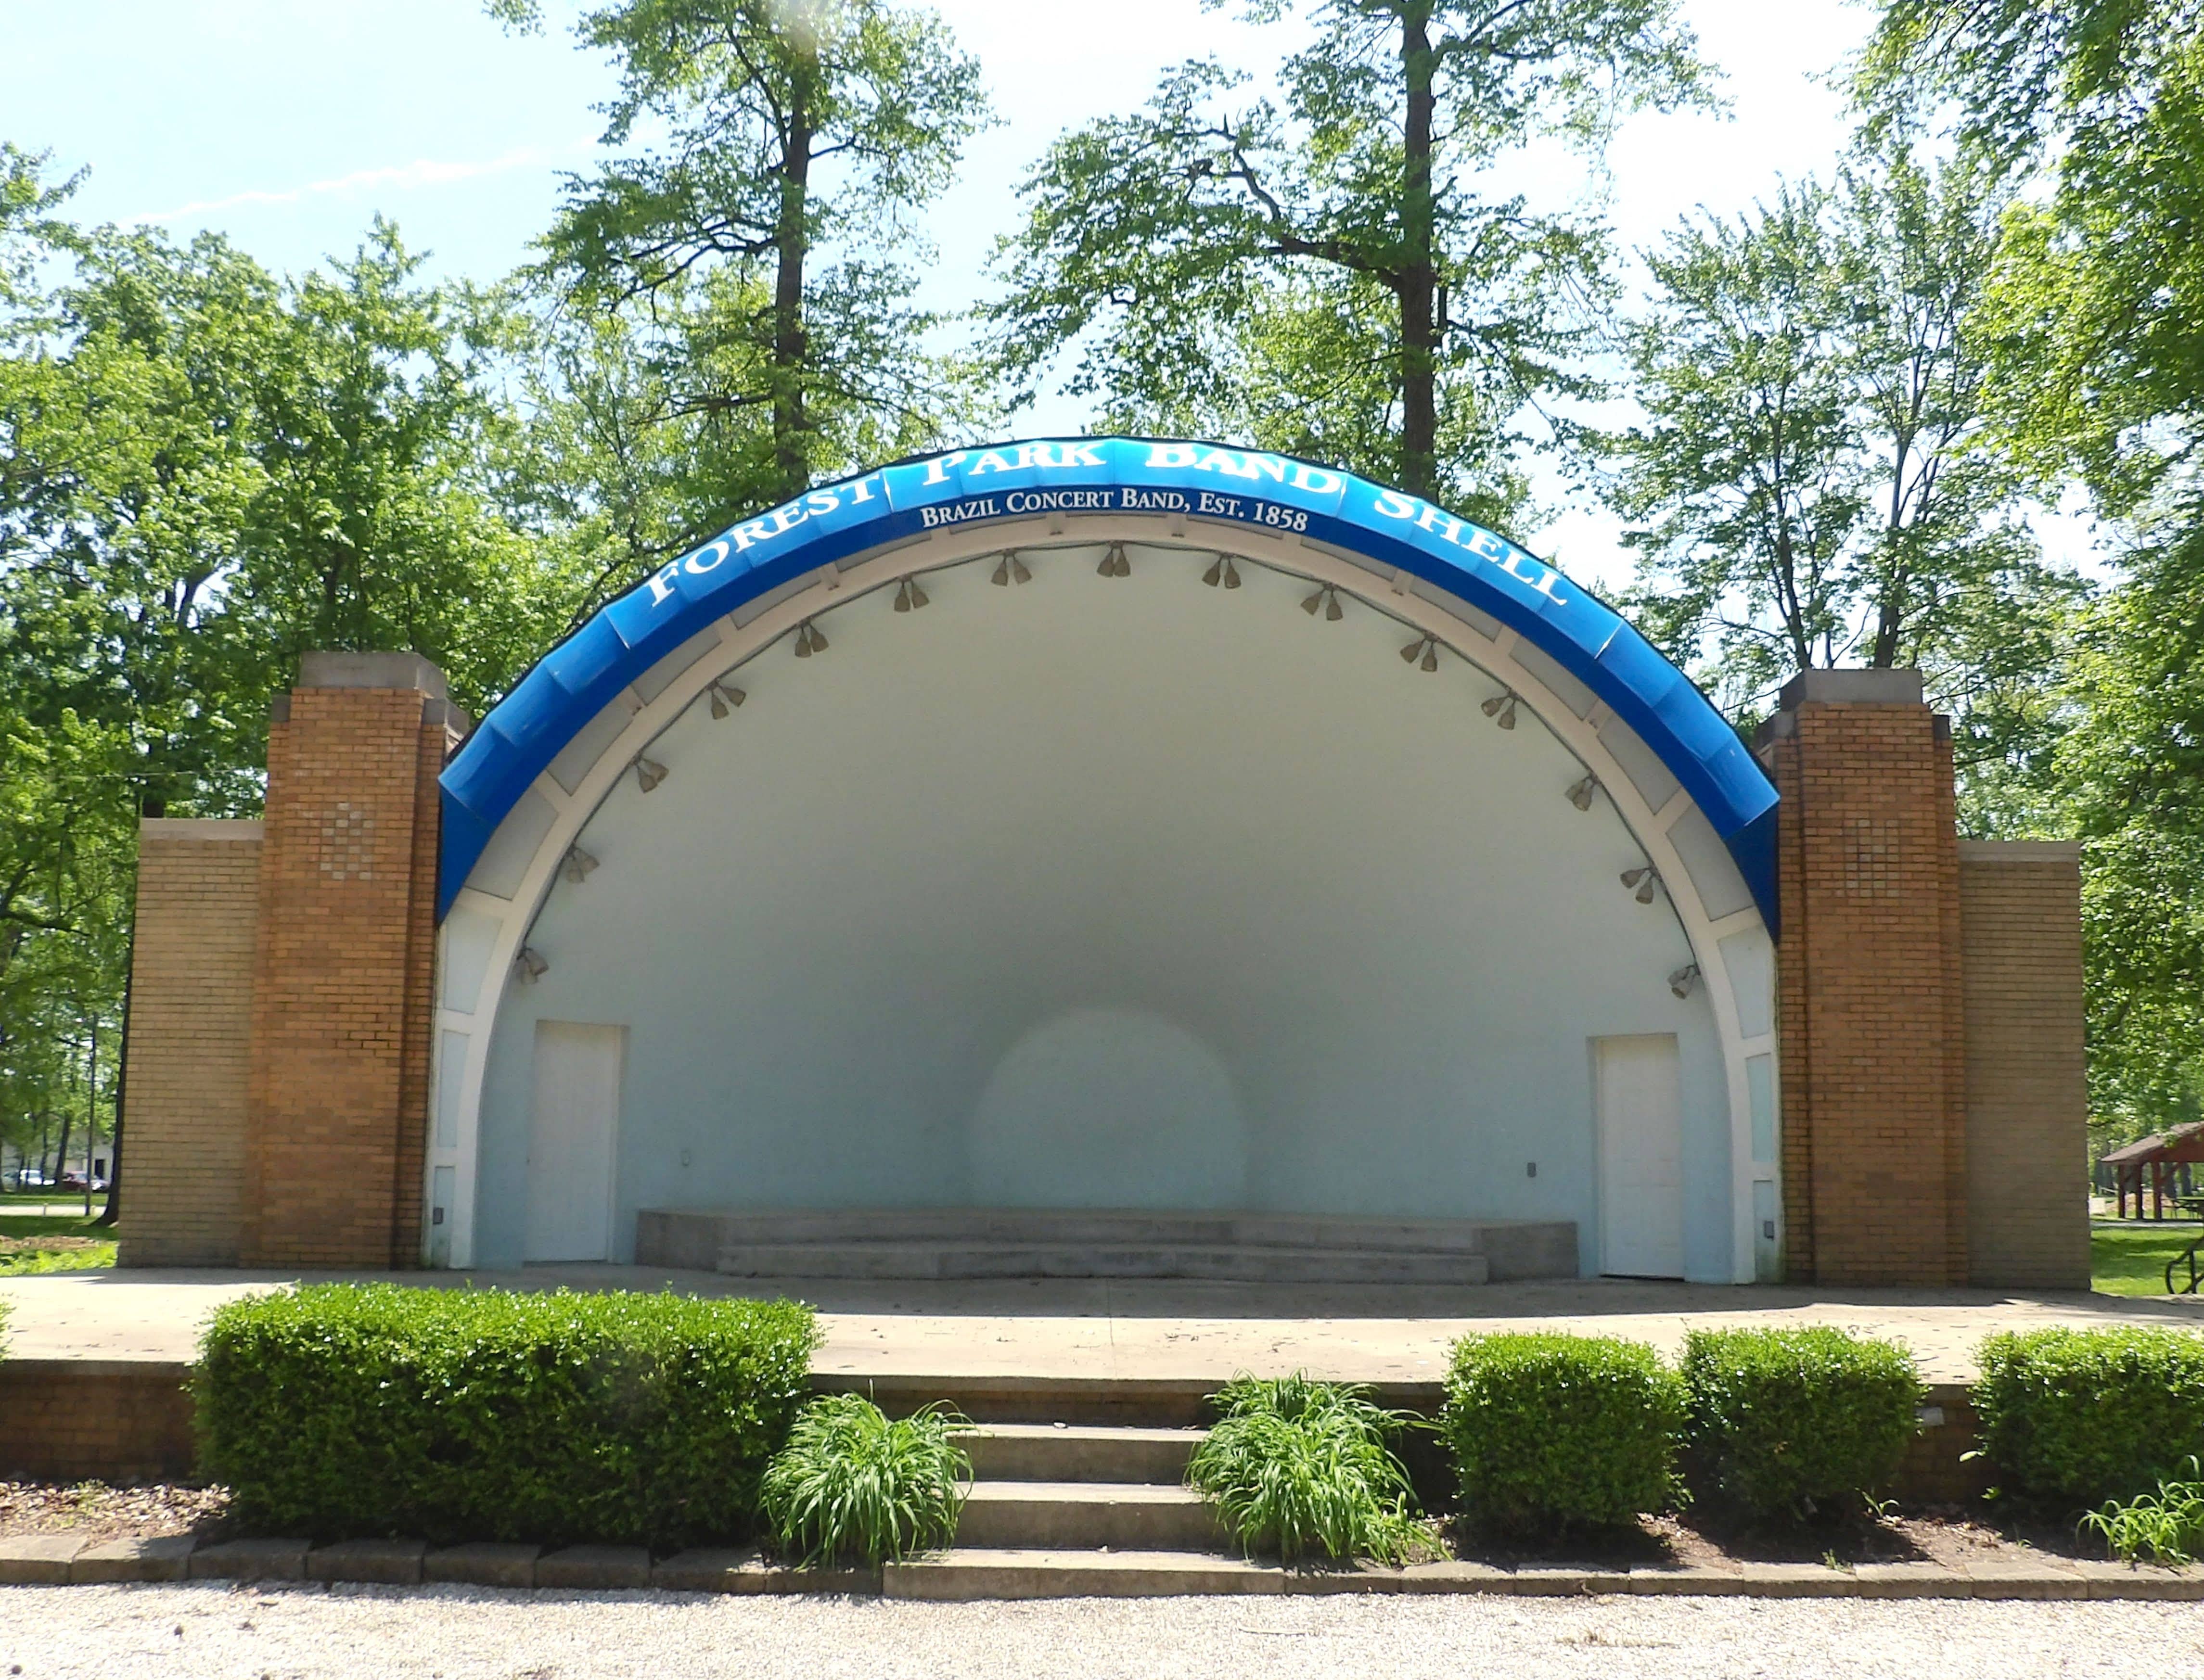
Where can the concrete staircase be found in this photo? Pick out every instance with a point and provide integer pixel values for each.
(1060, 1509)
(953, 1243)
(1078, 1488)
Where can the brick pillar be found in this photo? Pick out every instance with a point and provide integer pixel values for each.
(191, 1040)
(1871, 1005)
(337, 1104)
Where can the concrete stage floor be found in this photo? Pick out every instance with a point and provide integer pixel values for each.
(1111, 1328)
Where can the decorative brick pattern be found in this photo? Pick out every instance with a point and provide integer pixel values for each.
(190, 1052)
(338, 1103)
(1869, 983)
(2020, 921)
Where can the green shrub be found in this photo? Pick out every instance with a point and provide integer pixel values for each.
(853, 1485)
(451, 1414)
(2078, 1416)
(1297, 1466)
(1781, 1420)
(2166, 1525)
(1546, 1429)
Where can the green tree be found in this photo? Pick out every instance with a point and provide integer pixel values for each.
(1219, 258)
(2098, 302)
(1814, 484)
(755, 253)
(204, 473)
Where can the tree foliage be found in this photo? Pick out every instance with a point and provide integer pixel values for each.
(205, 472)
(1813, 483)
(2098, 299)
(752, 250)
(1335, 266)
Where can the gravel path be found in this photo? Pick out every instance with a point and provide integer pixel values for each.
(395, 1633)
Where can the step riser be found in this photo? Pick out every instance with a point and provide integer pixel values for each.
(1242, 1230)
(1149, 1403)
(697, 1238)
(1050, 1578)
(1048, 1526)
(1219, 1265)
(1161, 1459)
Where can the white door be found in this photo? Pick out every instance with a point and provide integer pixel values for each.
(1641, 1156)
(569, 1140)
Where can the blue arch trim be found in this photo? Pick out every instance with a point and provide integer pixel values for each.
(578, 678)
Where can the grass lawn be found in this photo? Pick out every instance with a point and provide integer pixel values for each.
(42, 1243)
(2131, 1259)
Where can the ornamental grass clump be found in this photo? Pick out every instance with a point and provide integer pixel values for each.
(2165, 1526)
(855, 1486)
(1547, 1431)
(1301, 1468)
(1783, 1421)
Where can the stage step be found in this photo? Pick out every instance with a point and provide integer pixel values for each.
(1066, 1452)
(1218, 1264)
(995, 1243)
(1119, 1516)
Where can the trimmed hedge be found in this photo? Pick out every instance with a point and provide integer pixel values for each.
(2077, 1417)
(340, 1410)
(1781, 1420)
(1545, 1428)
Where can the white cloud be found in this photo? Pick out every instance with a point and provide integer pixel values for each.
(402, 177)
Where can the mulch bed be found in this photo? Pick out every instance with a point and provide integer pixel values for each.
(1953, 1536)
(33, 1244)
(100, 1511)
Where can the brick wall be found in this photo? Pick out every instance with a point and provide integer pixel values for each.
(110, 1420)
(191, 1016)
(2027, 1092)
(338, 1105)
(1870, 1017)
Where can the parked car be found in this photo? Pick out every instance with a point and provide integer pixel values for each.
(31, 1179)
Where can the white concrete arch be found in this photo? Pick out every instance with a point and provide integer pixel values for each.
(484, 936)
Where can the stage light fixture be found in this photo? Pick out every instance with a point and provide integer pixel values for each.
(532, 964)
(648, 773)
(1580, 795)
(1428, 645)
(1327, 597)
(918, 595)
(580, 863)
(1114, 563)
(808, 640)
(725, 696)
(1222, 570)
(902, 595)
(1501, 708)
(1644, 880)
(1684, 979)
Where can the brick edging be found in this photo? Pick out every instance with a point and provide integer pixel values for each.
(59, 1559)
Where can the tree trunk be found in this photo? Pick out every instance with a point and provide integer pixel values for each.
(1417, 281)
(792, 447)
(113, 1211)
(60, 1153)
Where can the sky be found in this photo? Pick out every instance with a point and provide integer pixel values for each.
(289, 124)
